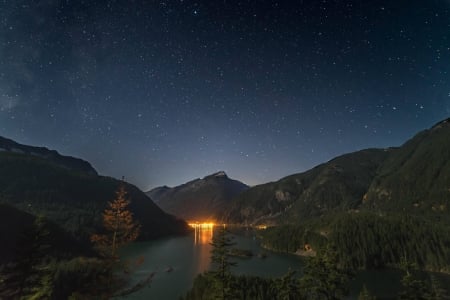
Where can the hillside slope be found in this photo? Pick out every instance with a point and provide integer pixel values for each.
(73, 198)
(416, 177)
(338, 185)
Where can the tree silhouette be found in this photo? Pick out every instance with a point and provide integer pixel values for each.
(287, 287)
(220, 258)
(29, 275)
(119, 225)
(323, 279)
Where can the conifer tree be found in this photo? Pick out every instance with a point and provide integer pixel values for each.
(287, 287)
(220, 258)
(323, 279)
(119, 225)
(29, 276)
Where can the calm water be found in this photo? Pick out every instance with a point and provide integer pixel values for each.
(189, 255)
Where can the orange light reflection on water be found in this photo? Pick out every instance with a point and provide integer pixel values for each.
(203, 234)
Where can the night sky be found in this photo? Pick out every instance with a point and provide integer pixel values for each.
(162, 92)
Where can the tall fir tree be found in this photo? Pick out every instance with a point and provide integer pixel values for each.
(323, 278)
(119, 225)
(287, 287)
(220, 259)
(29, 276)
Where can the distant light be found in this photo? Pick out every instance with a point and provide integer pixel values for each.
(207, 225)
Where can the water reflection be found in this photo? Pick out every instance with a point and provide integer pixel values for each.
(203, 233)
(202, 238)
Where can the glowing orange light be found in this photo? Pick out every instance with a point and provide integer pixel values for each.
(205, 225)
(203, 232)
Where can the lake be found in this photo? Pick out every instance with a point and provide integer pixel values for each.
(177, 260)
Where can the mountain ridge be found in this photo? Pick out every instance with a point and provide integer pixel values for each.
(74, 198)
(307, 194)
(414, 178)
(198, 199)
(69, 162)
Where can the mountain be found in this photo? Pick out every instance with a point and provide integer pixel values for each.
(157, 193)
(377, 207)
(70, 163)
(338, 185)
(69, 192)
(200, 199)
(416, 176)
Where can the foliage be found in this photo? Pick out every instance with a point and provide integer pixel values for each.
(29, 275)
(323, 278)
(247, 288)
(374, 241)
(290, 238)
(74, 200)
(335, 186)
(220, 259)
(287, 287)
(119, 225)
(82, 277)
(379, 241)
(415, 177)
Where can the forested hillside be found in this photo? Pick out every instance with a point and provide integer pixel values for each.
(367, 240)
(336, 186)
(74, 199)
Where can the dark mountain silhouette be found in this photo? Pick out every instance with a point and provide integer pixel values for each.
(157, 193)
(200, 199)
(71, 163)
(377, 207)
(67, 192)
(415, 178)
(338, 185)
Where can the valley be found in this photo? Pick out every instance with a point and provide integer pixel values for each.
(378, 208)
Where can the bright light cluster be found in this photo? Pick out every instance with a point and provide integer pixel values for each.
(202, 225)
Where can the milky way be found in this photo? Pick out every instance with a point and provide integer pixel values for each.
(162, 92)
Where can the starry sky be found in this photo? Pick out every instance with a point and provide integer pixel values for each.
(162, 92)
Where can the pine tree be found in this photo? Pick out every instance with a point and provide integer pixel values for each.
(29, 275)
(287, 287)
(119, 225)
(220, 258)
(323, 279)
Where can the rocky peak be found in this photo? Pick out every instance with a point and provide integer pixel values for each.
(220, 174)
